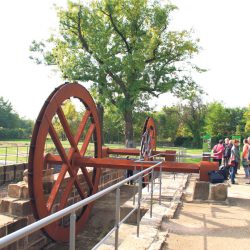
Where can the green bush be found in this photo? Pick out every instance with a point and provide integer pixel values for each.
(15, 133)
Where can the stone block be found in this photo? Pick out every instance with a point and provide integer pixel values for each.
(30, 219)
(201, 190)
(39, 244)
(35, 237)
(218, 192)
(2, 231)
(18, 224)
(22, 244)
(20, 208)
(13, 246)
(25, 192)
(18, 190)
(14, 190)
(5, 204)
(1, 175)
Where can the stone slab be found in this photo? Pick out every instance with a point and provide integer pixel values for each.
(218, 192)
(201, 190)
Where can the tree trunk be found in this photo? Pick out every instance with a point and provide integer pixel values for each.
(100, 110)
(129, 131)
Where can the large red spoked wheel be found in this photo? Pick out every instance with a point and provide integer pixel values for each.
(73, 182)
(148, 141)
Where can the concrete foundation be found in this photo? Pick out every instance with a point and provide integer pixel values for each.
(208, 191)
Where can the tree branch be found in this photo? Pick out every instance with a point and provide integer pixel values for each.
(117, 30)
(71, 28)
(156, 47)
(82, 39)
(80, 35)
(118, 80)
(85, 46)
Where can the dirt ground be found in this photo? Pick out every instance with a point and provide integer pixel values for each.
(212, 226)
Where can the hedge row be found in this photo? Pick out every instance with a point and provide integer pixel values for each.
(15, 133)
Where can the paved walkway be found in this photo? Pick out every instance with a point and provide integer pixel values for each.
(212, 226)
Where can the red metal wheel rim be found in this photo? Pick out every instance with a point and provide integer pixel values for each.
(43, 127)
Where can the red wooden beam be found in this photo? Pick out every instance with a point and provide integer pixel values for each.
(167, 166)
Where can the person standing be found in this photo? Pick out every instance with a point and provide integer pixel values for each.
(245, 153)
(248, 158)
(218, 150)
(234, 160)
(227, 151)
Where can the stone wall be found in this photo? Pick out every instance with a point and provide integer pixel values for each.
(16, 212)
(11, 173)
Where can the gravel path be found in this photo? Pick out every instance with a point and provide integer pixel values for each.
(212, 226)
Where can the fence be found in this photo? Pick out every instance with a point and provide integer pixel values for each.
(10, 155)
(71, 210)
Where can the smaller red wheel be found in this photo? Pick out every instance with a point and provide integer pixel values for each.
(148, 144)
(148, 141)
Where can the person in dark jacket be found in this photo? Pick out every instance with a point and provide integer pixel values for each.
(227, 151)
(234, 160)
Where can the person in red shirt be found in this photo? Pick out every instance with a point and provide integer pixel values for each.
(218, 150)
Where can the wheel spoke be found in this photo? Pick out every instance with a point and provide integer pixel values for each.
(67, 192)
(64, 157)
(56, 187)
(58, 143)
(87, 139)
(82, 126)
(66, 128)
(87, 177)
(74, 141)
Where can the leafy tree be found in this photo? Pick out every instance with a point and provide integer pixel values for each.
(168, 121)
(113, 126)
(193, 117)
(236, 121)
(247, 120)
(11, 125)
(113, 129)
(217, 120)
(8, 117)
(125, 48)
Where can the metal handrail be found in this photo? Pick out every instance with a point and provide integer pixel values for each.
(15, 236)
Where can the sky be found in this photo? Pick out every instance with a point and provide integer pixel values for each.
(222, 27)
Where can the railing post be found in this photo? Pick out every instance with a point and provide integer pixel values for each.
(117, 217)
(6, 152)
(148, 181)
(152, 193)
(27, 153)
(134, 183)
(160, 179)
(139, 205)
(17, 154)
(72, 231)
